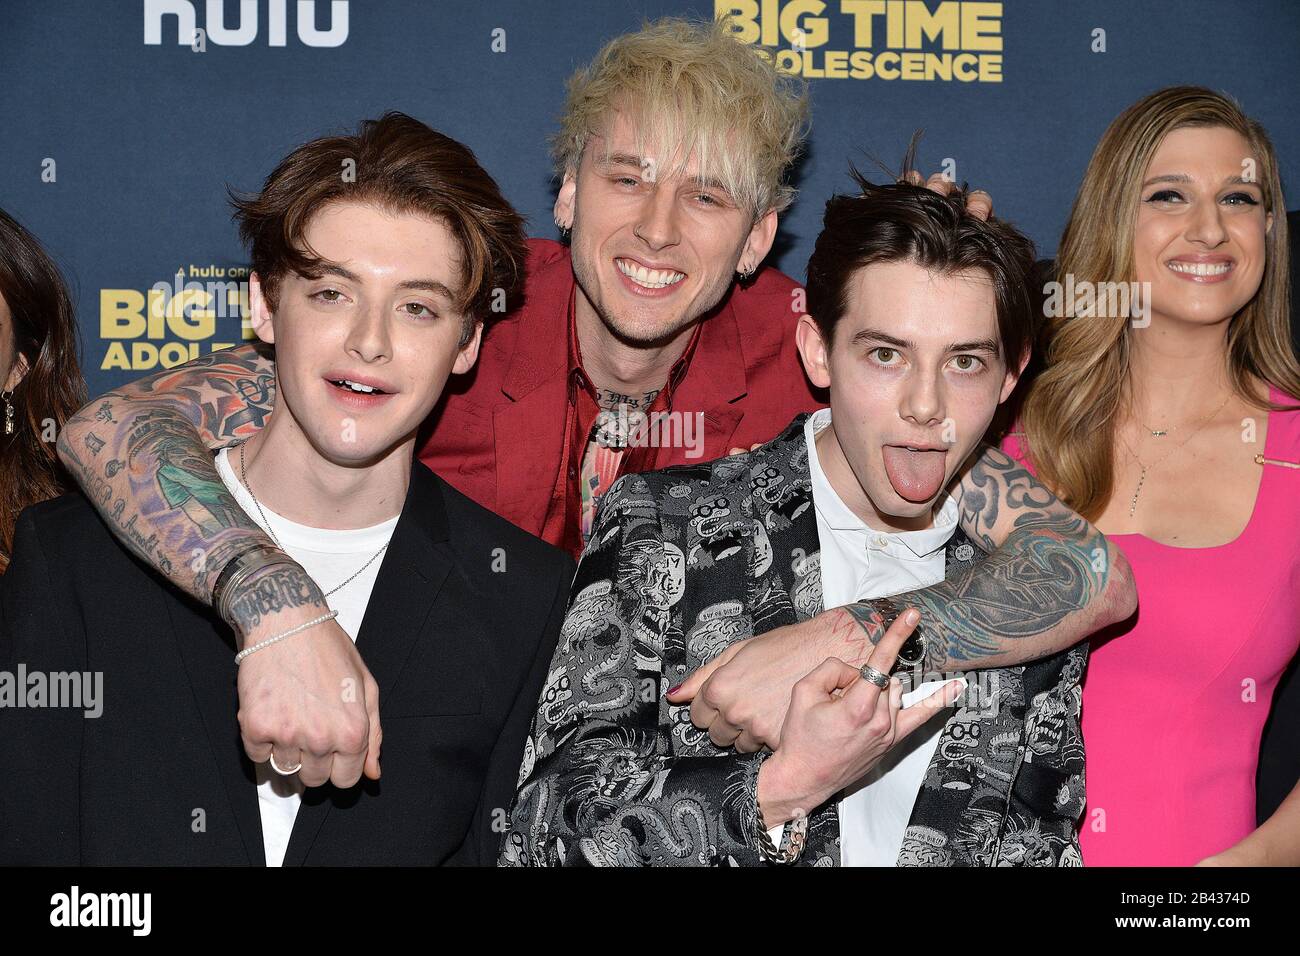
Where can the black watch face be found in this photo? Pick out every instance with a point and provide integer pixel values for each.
(912, 652)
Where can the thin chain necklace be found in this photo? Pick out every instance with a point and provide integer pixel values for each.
(1162, 432)
(1142, 477)
(243, 475)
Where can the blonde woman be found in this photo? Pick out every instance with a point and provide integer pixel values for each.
(1171, 422)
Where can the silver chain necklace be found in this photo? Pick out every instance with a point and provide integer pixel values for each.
(244, 477)
(1142, 477)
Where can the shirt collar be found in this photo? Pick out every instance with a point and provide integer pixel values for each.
(907, 545)
(578, 374)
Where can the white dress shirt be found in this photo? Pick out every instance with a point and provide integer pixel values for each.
(859, 562)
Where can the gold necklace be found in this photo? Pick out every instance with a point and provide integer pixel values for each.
(1162, 432)
(1142, 477)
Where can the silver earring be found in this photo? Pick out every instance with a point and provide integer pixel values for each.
(9, 412)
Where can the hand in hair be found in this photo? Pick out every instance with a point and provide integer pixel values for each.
(978, 202)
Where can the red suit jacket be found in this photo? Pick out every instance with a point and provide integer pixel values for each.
(498, 432)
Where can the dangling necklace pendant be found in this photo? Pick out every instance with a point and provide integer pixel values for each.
(1160, 433)
(1133, 502)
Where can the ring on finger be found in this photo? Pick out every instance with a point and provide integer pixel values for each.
(286, 772)
(869, 673)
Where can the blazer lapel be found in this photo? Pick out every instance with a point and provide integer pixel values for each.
(210, 664)
(788, 585)
(530, 450)
(788, 561)
(714, 381)
(530, 430)
(412, 573)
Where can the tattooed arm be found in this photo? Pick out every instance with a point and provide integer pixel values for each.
(1051, 580)
(141, 454)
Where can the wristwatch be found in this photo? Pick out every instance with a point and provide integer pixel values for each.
(913, 650)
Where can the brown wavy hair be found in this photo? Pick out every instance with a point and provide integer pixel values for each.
(1070, 413)
(403, 165)
(45, 336)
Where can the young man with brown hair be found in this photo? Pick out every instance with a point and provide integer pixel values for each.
(374, 290)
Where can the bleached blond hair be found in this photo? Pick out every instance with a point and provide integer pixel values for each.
(690, 88)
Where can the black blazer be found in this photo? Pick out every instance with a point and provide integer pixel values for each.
(457, 634)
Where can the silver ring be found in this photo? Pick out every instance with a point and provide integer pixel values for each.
(879, 678)
(284, 773)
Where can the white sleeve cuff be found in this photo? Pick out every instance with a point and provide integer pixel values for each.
(776, 834)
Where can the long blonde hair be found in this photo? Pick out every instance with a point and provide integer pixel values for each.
(1070, 412)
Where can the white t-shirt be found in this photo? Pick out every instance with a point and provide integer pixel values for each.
(858, 562)
(329, 557)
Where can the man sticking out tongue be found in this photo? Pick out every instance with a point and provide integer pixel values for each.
(916, 369)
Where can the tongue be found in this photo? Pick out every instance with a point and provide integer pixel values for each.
(915, 475)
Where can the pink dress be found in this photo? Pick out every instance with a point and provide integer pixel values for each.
(1175, 699)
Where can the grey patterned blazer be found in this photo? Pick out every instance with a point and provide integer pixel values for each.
(685, 561)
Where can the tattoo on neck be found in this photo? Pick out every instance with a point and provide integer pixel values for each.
(608, 398)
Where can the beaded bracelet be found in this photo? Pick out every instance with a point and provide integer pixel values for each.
(242, 655)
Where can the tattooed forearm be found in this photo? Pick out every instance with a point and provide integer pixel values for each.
(1037, 586)
(226, 396)
(160, 492)
(274, 589)
(1051, 580)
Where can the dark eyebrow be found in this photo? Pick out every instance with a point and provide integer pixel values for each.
(978, 345)
(875, 335)
(327, 268)
(425, 285)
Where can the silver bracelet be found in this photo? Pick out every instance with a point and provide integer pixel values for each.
(792, 840)
(238, 570)
(242, 655)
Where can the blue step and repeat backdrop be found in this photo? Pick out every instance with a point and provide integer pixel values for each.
(122, 122)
